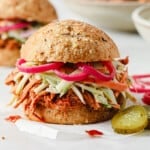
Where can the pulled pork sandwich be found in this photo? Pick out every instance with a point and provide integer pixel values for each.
(69, 73)
(18, 20)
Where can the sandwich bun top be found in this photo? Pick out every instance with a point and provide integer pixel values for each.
(69, 41)
(30, 10)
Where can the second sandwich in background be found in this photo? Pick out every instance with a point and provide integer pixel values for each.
(18, 20)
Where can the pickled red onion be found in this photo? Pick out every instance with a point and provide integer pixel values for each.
(71, 77)
(140, 86)
(86, 70)
(141, 76)
(139, 89)
(37, 69)
(14, 27)
(146, 98)
(99, 75)
(27, 33)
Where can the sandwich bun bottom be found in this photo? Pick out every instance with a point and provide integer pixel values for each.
(8, 57)
(78, 114)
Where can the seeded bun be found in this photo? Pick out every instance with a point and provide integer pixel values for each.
(30, 10)
(69, 41)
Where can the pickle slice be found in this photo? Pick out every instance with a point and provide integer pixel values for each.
(148, 112)
(130, 120)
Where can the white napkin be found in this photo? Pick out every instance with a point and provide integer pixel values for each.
(36, 128)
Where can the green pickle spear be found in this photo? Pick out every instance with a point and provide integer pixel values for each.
(130, 120)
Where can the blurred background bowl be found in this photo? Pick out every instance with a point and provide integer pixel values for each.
(141, 18)
(114, 15)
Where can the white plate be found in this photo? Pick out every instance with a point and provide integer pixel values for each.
(114, 15)
(70, 137)
(141, 18)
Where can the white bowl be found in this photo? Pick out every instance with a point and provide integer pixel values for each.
(114, 15)
(141, 18)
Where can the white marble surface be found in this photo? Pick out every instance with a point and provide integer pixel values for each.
(130, 44)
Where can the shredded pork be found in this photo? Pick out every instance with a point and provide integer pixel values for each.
(31, 99)
(10, 44)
